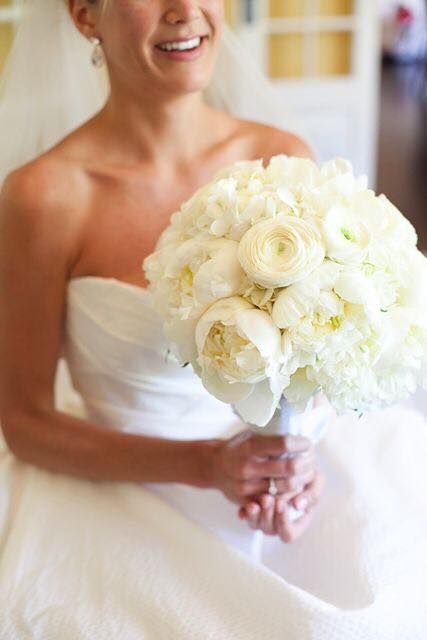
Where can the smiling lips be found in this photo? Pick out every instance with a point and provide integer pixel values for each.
(183, 50)
(180, 45)
(184, 43)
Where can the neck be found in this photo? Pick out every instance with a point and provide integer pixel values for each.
(150, 128)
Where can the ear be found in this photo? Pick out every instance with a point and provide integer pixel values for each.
(84, 16)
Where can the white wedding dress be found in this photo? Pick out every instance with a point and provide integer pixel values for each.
(99, 560)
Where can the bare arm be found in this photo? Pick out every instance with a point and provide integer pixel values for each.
(38, 240)
(61, 443)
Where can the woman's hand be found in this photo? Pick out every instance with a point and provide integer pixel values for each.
(242, 468)
(269, 513)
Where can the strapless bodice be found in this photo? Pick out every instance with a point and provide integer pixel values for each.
(120, 364)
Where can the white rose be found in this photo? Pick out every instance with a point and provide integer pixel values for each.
(239, 352)
(280, 251)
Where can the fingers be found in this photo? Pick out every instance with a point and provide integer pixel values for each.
(310, 496)
(271, 515)
(289, 531)
(260, 516)
(266, 520)
(252, 513)
(278, 445)
(291, 484)
(288, 485)
(279, 468)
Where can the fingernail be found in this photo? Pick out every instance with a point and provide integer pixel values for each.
(267, 501)
(253, 509)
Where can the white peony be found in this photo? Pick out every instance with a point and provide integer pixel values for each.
(192, 274)
(299, 299)
(278, 252)
(238, 355)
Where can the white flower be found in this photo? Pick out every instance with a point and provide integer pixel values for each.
(291, 172)
(411, 270)
(339, 177)
(278, 252)
(301, 388)
(301, 298)
(239, 351)
(346, 237)
(192, 274)
(309, 335)
(372, 288)
(390, 224)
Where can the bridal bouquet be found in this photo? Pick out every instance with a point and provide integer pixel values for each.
(285, 280)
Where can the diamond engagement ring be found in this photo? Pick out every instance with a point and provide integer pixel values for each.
(272, 489)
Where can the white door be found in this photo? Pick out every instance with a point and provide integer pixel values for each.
(323, 59)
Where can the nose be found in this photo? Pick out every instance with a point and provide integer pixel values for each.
(182, 11)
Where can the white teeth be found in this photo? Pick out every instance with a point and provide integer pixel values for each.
(181, 46)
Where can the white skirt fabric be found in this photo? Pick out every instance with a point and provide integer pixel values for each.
(93, 560)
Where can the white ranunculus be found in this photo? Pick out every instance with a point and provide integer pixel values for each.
(238, 355)
(280, 251)
(346, 237)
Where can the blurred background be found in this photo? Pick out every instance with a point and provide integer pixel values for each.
(354, 71)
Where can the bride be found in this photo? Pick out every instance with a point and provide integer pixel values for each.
(145, 512)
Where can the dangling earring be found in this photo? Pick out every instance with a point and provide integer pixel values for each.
(97, 57)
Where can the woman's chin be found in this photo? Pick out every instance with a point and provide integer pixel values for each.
(184, 86)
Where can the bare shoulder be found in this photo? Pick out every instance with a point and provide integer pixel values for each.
(45, 200)
(46, 183)
(270, 141)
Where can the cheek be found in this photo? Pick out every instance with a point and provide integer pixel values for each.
(216, 8)
(136, 19)
(214, 13)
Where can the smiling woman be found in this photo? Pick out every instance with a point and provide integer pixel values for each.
(117, 514)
